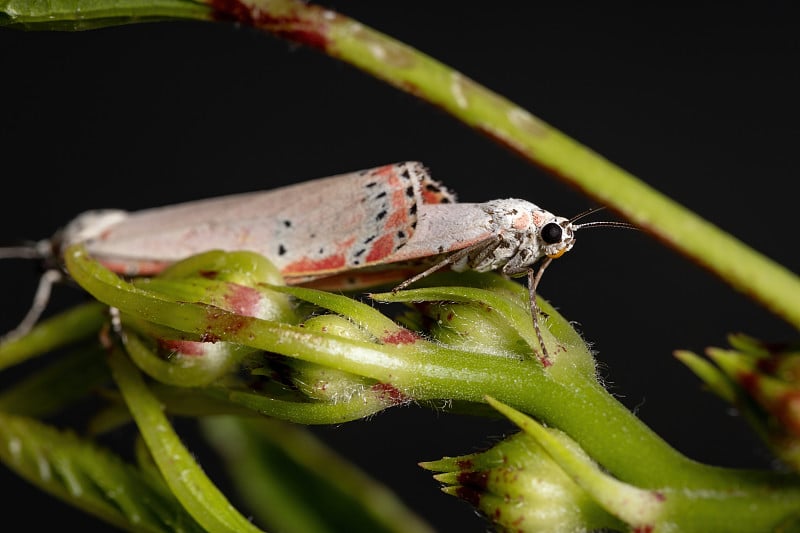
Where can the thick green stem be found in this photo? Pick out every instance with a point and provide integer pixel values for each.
(772, 285)
(605, 428)
(188, 482)
(421, 370)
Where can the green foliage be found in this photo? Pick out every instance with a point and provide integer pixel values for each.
(79, 472)
(182, 347)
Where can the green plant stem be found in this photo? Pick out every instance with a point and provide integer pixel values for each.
(192, 488)
(74, 15)
(71, 326)
(422, 370)
(748, 271)
(772, 285)
(582, 408)
(284, 464)
(749, 507)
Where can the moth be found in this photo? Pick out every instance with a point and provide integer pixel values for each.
(346, 231)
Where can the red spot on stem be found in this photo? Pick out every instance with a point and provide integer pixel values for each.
(749, 381)
(192, 348)
(473, 497)
(209, 337)
(387, 391)
(478, 480)
(242, 300)
(218, 320)
(401, 336)
(307, 25)
(788, 411)
(465, 464)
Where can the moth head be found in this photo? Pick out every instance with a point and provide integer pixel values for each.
(558, 236)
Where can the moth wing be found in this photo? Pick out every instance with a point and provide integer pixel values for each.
(441, 230)
(313, 228)
(445, 228)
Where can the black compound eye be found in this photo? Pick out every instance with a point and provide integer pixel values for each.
(551, 233)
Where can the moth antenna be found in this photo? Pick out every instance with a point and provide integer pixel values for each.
(33, 250)
(605, 224)
(584, 214)
(602, 223)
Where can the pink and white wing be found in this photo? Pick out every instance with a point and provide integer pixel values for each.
(310, 229)
(443, 229)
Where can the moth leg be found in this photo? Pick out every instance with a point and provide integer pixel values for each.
(533, 282)
(40, 299)
(449, 260)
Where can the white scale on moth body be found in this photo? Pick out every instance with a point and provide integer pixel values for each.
(347, 231)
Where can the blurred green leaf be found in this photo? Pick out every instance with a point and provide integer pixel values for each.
(294, 484)
(89, 477)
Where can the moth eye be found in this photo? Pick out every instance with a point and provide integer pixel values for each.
(551, 233)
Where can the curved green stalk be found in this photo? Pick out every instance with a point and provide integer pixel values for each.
(83, 474)
(199, 496)
(396, 364)
(748, 271)
(71, 326)
(326, 495)
(74, 15)
(565, 395)
(772, 285)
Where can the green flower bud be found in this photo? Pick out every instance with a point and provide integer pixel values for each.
(763, 381)
(519, 487)
(324, 383)
(473, 326)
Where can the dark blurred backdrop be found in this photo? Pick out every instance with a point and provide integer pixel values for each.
(700, 103)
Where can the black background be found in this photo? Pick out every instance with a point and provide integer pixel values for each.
(699, 102)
